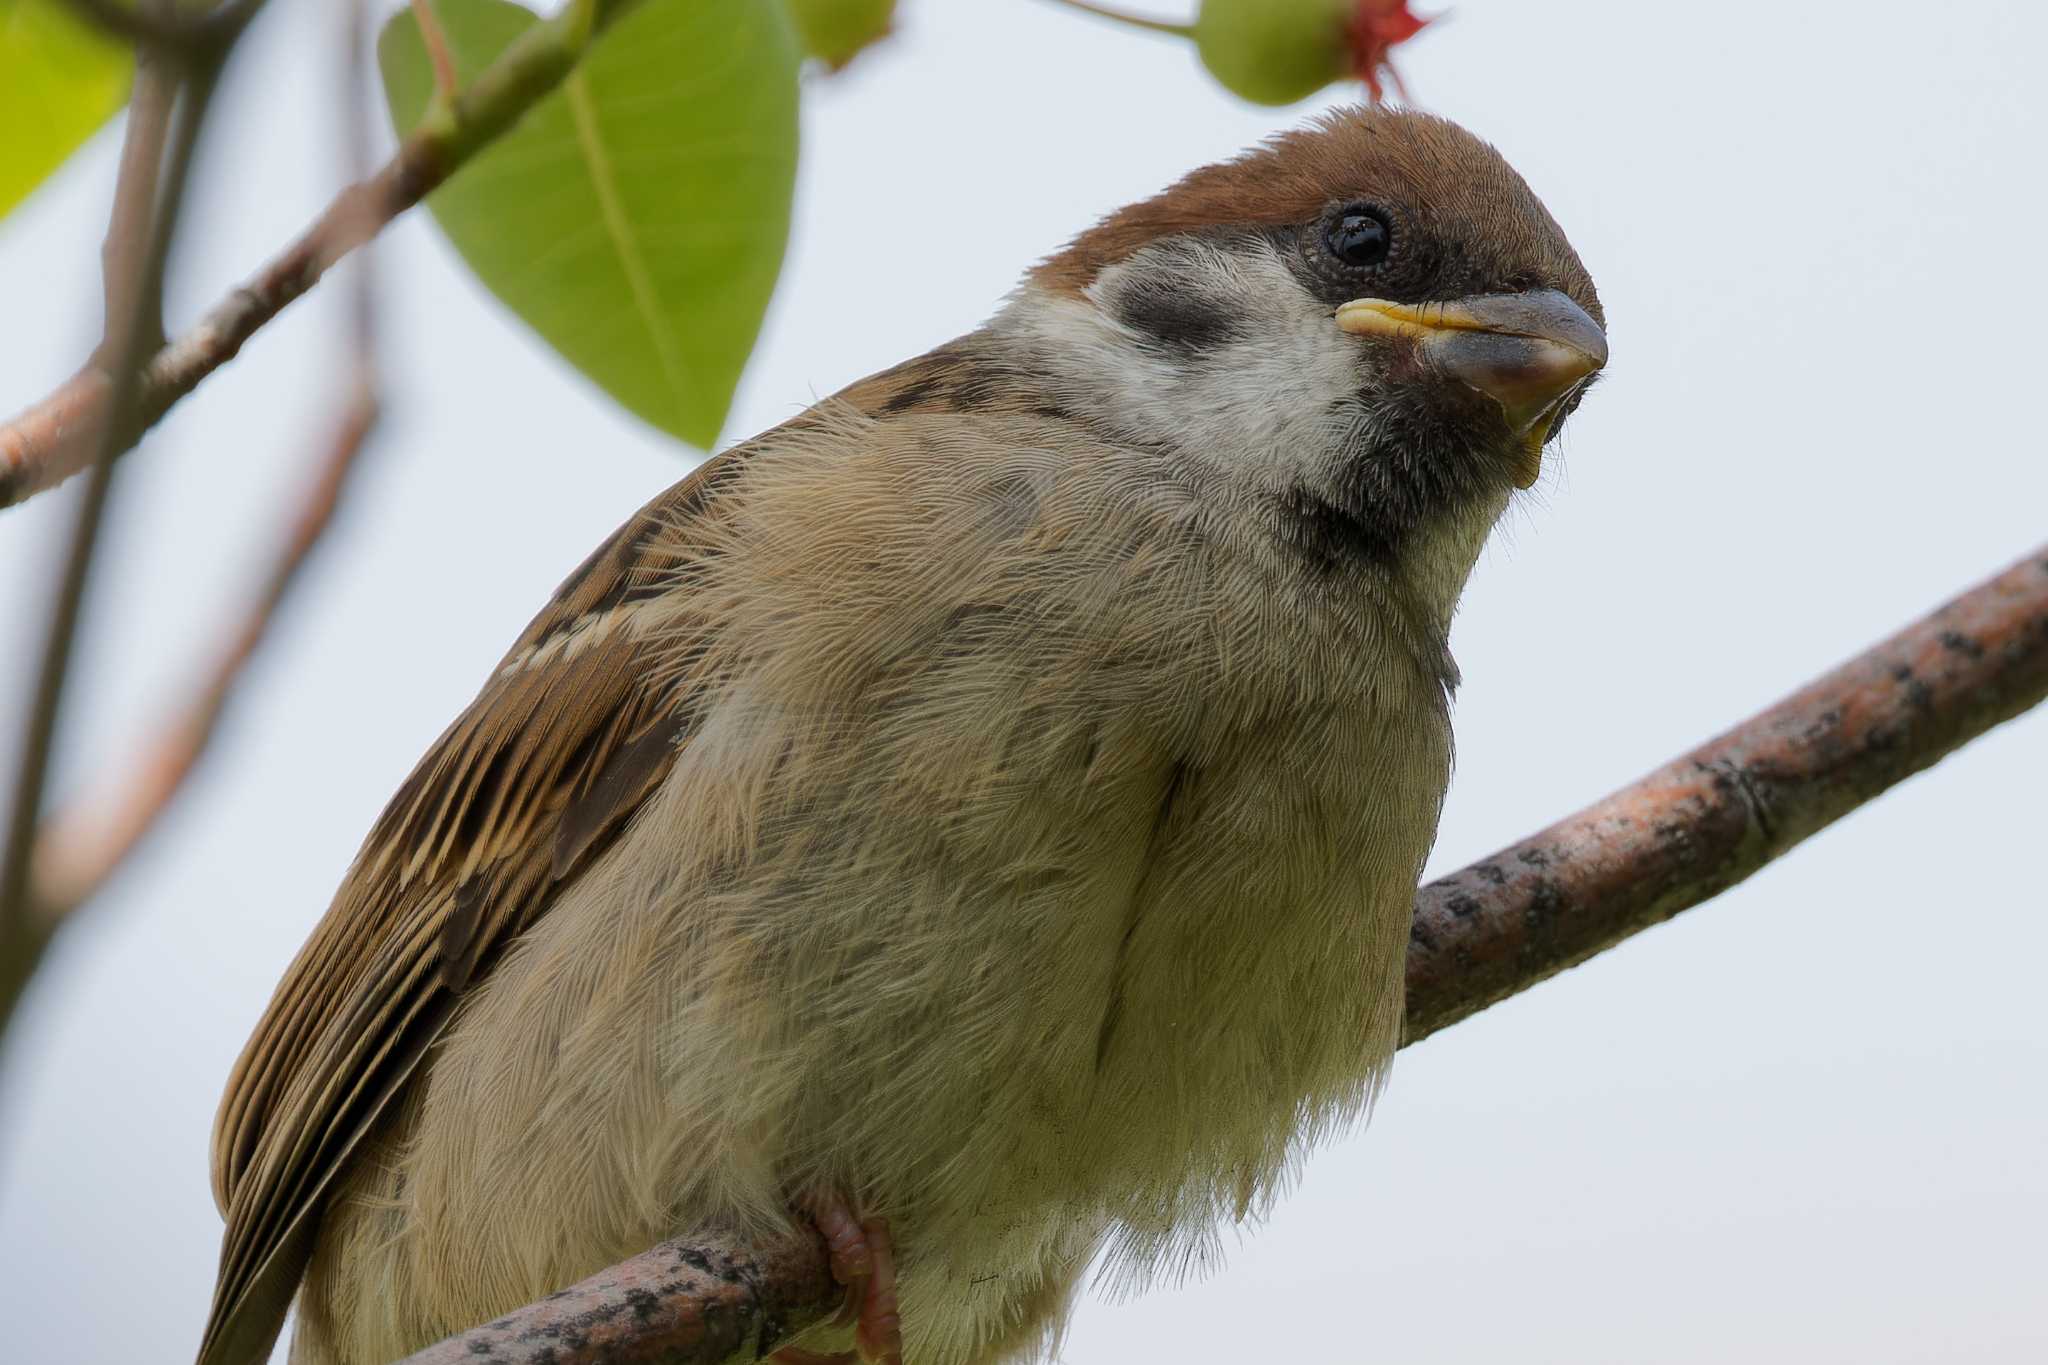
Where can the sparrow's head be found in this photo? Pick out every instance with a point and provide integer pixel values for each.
(1372, 319)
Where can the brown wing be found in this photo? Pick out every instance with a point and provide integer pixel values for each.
(567, 738)
(548, 763)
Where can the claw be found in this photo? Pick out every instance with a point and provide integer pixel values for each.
(863, 1260)
(852, 1261)
(878, 1335)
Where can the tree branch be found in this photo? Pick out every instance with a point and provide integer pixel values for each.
(77, 850)
(124, 248)
(1678, 837)
(1696, 827)
(53, 440)
(184, 91)
(681, 1303)
(161, 28)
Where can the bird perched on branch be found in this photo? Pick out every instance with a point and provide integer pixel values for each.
(980, 815)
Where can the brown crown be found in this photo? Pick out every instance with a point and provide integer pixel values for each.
(1453, 184)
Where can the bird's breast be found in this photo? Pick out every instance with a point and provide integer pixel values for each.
(1079, 874)
(1035, 862)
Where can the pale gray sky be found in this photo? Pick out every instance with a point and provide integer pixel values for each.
(1807, 1122)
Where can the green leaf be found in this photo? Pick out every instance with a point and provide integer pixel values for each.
(636, 217)
(837, 31)
(60, 79)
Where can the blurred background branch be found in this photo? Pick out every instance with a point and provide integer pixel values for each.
(52, 866)
(514, 62)
(73, 852)
(55, 439)
(160, 27)
(174, 85)
(78, 848)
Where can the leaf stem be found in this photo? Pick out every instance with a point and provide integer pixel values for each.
(1117, 16)
(447, 84)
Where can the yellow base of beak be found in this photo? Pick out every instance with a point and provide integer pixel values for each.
(1527, 352)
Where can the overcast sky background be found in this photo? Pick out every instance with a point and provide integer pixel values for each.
(1808, 1122)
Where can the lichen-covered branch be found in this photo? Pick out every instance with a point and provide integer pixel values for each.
(1696, 827)
(703, 1300)
(1679, 837)
(53, 440)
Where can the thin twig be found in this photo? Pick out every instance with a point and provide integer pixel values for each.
(200, 36)
(135, 190)
(435, 38)
(1662, 845)
(1117, 16)
(55, 439)
(24, 930)
(78, 849)
(157, 29)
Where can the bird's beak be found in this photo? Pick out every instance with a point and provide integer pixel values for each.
(1528, 352)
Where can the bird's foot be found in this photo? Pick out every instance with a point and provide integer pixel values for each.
(863, 1260)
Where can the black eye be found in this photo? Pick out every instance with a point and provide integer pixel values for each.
(1359, 237)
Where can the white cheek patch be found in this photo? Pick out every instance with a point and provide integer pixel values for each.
(1254, 389)
(1263, 392)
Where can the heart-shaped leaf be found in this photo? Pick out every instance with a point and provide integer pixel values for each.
(60, 79)
(636, 217)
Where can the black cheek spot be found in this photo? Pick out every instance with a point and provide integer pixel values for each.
(1177, 318)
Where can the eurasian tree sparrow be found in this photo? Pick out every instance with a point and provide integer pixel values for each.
(981, 813)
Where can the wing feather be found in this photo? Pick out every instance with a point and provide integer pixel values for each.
(543, 769)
